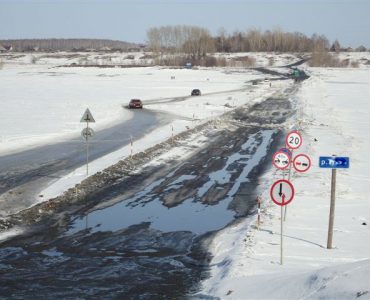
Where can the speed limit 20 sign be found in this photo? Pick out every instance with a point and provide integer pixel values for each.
(293, 140)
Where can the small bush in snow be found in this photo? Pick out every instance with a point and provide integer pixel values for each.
(355, 64)
(32, 59)
(325, 59)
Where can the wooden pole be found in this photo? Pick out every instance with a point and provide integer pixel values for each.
(332, 208)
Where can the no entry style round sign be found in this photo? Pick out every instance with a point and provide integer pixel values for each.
(293, 140)
(301, 163)
(282, 192)
(281, 160)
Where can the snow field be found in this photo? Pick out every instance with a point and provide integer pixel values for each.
(246, 264)
(49, 105)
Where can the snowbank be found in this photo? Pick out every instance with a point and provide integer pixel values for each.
(334, 111)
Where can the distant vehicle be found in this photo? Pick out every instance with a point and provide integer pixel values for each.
(254, 82)
(135, 103)
(196, 92)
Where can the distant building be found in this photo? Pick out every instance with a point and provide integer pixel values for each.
(6, 48)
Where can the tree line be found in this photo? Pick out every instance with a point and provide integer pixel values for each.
(29, 45)
(196, 41)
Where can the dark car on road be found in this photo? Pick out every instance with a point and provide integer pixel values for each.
(195, 92)
(135, 103)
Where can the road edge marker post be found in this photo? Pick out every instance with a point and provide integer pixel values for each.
(258, 212)
(172, 133)
(86, 133)
(131, 147)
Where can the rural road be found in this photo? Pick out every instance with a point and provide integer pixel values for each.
(24, 173)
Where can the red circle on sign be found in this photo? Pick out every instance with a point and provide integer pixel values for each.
(283, 200)
(298, 156)
(276, 164)
(289, 135)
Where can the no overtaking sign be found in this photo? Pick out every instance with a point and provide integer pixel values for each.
(281, 160)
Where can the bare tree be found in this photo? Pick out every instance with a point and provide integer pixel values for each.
(335, 47)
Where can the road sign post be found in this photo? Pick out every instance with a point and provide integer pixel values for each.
(334, 163)
(301, 163)
(332, 208)
(282, 193)
(290, 172)
(87, 133)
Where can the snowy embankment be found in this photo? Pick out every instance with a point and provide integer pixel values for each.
(333, 112)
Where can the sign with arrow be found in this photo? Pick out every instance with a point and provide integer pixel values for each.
(293, 140)
(281, 160)
(334, 162)
(282, 192)
(87, 117)
(301, 163)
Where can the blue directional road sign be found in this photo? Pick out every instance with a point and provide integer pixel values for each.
(334, 162)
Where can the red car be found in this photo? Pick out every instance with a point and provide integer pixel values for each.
(135, 103)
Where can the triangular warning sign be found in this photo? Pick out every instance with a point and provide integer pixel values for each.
(87, 117)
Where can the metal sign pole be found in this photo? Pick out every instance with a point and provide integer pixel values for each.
(86, 133)
(281, 236)
(87, 149)
(332, 208)
(290, 171)
(282, 193)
